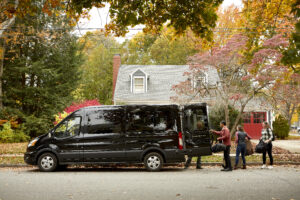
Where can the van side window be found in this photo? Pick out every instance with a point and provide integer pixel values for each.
(68, 128)
(141, 120)
(195, 120)
(105, 121)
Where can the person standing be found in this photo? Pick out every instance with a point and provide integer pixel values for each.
(226, 138)
(267, 137)
(200, 127)
(240, 137)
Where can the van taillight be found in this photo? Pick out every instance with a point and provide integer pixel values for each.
(180, 142)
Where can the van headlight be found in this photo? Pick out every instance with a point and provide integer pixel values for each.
(32, 142)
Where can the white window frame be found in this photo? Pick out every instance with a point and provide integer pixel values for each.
(144, 85)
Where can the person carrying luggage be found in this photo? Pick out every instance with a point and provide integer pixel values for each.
(267, 137)
(240, 139)
(226, 138)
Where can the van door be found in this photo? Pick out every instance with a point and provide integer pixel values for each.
(103, 137)
(67, 139)
(196, 130)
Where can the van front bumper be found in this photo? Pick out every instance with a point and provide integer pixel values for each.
(29, 158)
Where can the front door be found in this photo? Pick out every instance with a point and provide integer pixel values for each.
(68, 138)
(196, 130)
(103, 137)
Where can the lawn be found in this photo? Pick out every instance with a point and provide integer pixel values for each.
(13, 148)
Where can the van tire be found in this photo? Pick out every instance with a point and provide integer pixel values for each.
(153, 162)
(47, 162)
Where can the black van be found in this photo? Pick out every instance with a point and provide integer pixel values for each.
(149, 134)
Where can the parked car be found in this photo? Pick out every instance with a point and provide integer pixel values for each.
(149, 134)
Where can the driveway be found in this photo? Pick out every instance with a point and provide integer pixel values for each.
(208, 183)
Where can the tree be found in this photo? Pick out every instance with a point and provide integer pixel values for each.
(286, 98)
(264, 19)
(164, 48)
(281, 127)
(96, 79)
(137, 50)
(40, 70)
(239, 81)
(291, 55)
(198, 15)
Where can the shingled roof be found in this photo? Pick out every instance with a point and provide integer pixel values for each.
(161, 78)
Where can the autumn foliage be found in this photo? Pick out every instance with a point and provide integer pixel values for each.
(73, 107)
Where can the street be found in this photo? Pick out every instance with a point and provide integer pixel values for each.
(132, 183)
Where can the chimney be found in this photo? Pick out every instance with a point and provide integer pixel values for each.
(116, 66)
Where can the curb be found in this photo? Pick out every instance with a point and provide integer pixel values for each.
(179, 165)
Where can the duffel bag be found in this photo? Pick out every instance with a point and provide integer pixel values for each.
(260, 147)
(218, 147)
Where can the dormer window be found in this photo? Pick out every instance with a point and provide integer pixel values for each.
(139, 84)
(139, 81)
(201, 79)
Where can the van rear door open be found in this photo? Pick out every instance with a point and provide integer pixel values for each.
(196, 130)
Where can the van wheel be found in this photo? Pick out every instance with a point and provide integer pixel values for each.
(153, 161)
(47, 162)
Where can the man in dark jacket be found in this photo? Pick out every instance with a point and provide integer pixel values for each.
(226, 138)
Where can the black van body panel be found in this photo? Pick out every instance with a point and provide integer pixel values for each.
(124, 134)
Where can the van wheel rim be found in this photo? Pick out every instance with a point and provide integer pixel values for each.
(47, 162)
(153, 162)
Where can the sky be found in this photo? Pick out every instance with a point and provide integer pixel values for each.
(99, 17)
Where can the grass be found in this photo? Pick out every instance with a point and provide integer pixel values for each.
(12, 160)
(13, 148)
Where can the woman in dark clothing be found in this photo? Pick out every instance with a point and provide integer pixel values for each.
(267, 137)
(240, 137)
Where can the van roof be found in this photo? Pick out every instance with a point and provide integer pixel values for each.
(130, 105)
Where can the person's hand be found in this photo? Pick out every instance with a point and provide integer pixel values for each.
(211, 130)
(218, 138)
(267, 141)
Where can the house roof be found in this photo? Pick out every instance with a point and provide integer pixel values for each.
(159, 84)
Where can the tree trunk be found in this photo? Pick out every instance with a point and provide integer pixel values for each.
(233, 128)
(1, 73)
(6, 24)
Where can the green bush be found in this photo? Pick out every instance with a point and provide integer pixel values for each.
(217, 114)
(8, 135)
(281, 127)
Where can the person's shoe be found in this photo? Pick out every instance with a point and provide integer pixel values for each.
(199, 167)
(226, 170)
(270, 167)
(244, 167)
(224, 167)
(235, 167)
(264, 167)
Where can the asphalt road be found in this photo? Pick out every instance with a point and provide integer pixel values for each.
(209, 183)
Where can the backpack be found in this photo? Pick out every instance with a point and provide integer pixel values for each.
(273, 138)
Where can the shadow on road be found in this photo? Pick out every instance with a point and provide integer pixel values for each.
(107, 169)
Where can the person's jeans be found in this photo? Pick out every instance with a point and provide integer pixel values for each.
(269, 150)
(227, 158)
(189, 160)
(240, 149)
